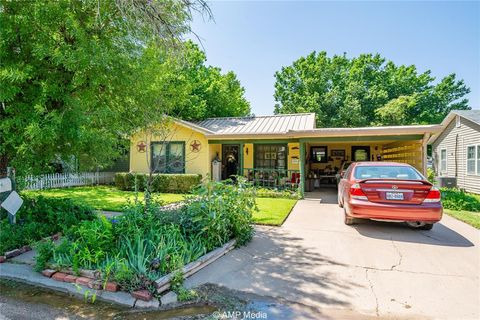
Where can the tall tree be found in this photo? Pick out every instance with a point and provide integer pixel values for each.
(70, 74)
(211, 92)
(365, 90)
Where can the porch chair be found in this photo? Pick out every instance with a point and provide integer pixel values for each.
(294, 181)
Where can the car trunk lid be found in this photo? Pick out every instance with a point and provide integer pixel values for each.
(395, 190)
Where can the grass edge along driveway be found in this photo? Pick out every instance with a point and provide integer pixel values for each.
(272, 211)
(469, 217)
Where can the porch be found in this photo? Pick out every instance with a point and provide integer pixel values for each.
(314, 162)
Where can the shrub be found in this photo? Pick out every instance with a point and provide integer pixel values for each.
(44, 254)
(457, 199)
(41, 217)
(168, 183)
(120, 181)
(220, 212)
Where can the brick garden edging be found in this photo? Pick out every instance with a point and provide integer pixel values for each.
(91, 278)
(163, 283)
(16, 252)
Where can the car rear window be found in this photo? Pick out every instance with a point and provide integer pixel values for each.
(388, 172)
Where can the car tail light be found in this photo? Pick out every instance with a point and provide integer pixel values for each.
(433, 195)
(357, 193)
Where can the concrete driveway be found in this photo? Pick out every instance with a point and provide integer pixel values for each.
(321, 267)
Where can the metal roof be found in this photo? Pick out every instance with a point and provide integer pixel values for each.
(276, 124)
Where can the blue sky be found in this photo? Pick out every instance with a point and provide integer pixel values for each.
(256, 38)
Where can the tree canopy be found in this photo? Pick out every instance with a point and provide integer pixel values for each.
(365, 90)
(78, 77)
(211, 93)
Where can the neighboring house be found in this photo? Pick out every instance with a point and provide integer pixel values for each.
(279, 151)
(456, 149)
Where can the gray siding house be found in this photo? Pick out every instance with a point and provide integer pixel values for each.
(456, 149)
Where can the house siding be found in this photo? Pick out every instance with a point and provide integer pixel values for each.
(455, 141)
(195, 162)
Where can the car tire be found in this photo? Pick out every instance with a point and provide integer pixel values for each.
(420, 225)
(427, 226)
(348, 220)
(340, 204)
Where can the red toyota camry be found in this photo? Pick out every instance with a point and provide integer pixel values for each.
(389, 191)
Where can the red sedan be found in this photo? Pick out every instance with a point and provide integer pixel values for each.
(389, 191)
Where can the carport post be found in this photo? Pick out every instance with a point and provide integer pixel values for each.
(302, 168)
(426, 137)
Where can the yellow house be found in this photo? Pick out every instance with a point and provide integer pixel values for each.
(279, 151)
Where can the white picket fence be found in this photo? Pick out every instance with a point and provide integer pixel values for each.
(62, 180)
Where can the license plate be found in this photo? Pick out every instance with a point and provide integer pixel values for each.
(394, 195)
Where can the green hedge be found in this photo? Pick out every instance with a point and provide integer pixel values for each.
(456, 199)
(40, 217)
(168, 183)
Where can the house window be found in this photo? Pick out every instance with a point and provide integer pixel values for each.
(458, 123)
(473, 159)
(443, 160)
(271, 156)
(168, 157)
(478, 159)
(319, 154)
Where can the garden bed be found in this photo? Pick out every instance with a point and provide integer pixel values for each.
(150, 242)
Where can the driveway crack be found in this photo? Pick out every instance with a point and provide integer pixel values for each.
(373, 292)
(400, 256)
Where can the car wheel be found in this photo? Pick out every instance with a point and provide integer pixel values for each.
(348, 220)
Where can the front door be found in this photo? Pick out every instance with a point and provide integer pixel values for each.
(360, 153)
(230, 160)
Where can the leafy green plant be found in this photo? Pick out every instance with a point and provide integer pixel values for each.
(40, 217)
(220, 212)
(457, 199)
(92, 241)
(45, 251)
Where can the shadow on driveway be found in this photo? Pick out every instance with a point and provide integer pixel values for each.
(278, 264)
(440, 235)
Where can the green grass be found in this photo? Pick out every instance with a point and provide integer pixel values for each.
(472, 218)
(102, 197)
(273, 211)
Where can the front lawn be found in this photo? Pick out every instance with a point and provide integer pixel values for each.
(472, 218)
(103, 197)
(273, 211)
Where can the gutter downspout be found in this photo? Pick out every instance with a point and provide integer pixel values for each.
(455, 156)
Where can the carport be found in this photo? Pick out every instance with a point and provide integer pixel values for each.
(323, 150)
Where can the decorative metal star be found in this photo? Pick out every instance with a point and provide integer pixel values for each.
(195, 145)
(141, 147)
